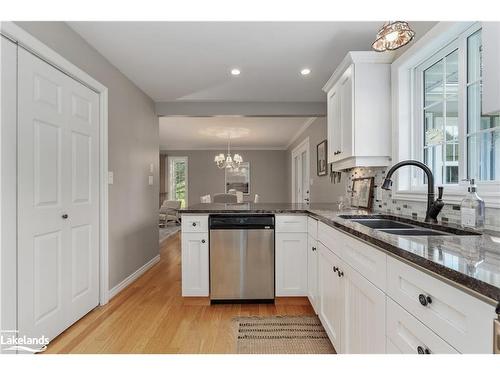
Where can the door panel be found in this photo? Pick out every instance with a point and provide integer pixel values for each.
(47, 164)
(331, 299)
(291, 264)
(58, 205)
(195, 264)
(312, 272)
(47, 275)
(364, 325)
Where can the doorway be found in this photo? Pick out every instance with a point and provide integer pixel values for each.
(178, 179)
(300, 173)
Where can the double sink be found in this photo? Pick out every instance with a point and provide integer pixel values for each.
(407, 228)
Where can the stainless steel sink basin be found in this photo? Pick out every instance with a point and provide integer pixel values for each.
(381, 223)
(414, 232)
(405, 227)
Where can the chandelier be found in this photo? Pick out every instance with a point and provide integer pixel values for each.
(393, 35)
(227, 161)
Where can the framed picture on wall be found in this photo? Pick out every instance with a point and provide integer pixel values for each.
(239, 179)
(362, 192)
(321, 163)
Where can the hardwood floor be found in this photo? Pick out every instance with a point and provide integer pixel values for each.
(150, 316)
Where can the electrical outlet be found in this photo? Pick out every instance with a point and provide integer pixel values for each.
(151, 180)
(151, 168)
(110, 177)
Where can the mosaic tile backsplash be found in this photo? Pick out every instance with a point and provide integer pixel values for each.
(449, 214)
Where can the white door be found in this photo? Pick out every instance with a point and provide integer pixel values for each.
(312, 272)
(363, 331)
(178, 179)
(331, 298)
(300, 173)
(291, 264)
(58, 198)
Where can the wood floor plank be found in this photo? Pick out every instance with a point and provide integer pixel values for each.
(150, 316)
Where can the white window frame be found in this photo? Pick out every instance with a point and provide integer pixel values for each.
(407, 114)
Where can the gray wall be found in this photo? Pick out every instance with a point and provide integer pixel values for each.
(321, 189)
(133, 144)
(267, 174)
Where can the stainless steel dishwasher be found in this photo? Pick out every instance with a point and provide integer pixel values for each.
(241, 258)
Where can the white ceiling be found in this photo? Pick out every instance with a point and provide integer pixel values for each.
(191, 60)
(187, 133)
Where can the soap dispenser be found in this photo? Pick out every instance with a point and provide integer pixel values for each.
(472, 208)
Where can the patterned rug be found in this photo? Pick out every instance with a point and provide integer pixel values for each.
(168, 231)
(282, 335)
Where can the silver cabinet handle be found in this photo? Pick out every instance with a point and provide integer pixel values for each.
(64, 216)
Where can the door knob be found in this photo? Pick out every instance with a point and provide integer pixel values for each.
(64, 216)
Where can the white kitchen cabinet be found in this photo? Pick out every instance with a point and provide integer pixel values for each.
(464, 322)
(359, 111)
(330, 293)
(312, 272)
(195, 265)
(363, 329)
(291, 264)
(405, 334)
(490, 35)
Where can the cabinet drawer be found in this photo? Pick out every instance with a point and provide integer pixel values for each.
(291, 224)
(194, 223)
(407, 335)
(367, 260)
(463, 321)
(312, 227)
(331, 238)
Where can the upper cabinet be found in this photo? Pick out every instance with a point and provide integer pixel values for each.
(491, 64)
(359, 111)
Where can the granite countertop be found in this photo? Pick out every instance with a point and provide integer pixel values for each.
(471, 261)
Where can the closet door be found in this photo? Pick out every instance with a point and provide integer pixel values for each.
(58, 198)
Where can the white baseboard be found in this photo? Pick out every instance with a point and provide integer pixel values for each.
(134, 276)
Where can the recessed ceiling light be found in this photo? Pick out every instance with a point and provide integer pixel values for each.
(305, 71)
(235, 72)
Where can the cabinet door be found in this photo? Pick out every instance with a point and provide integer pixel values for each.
(312, 272)
(346, 115)
(363, 331)
(195, 264)
(330, 292)
(334, 125)
(291, 264)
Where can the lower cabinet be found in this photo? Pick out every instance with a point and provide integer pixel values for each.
(351, 308)
(364, 315)
(407, 335)
(330, 295)
(195, 278)
(291, 264)
(312, 272)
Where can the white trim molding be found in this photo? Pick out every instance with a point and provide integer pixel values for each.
(25, 40)
(132, 277)
(302, 129)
